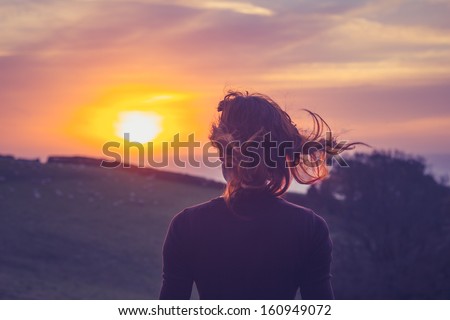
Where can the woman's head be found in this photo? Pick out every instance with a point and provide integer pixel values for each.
(262, 148)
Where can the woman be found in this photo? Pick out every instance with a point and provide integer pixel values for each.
(250, 243)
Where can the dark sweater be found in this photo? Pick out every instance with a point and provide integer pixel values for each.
(278, 248)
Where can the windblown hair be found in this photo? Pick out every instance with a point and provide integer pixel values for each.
(246, 120)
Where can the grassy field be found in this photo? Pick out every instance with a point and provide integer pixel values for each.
(83, 232)
(73, 230)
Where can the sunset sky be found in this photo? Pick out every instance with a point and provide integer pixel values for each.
(377, 71)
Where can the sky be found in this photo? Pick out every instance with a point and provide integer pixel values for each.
(376, 71)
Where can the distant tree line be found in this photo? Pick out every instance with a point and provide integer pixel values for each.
(390, 223)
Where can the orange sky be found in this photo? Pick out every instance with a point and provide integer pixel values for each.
(377, 71)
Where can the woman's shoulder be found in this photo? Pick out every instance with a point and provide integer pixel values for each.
(278, 208)
(303, 214)
(212, 205)
(278, 212)
(278, 205)
(297, 209)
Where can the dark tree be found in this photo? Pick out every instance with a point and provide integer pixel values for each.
(391, 223)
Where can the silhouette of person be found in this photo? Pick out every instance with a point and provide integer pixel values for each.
(250, 243)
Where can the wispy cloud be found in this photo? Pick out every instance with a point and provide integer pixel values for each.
(393, 73)
(236, 6)
(373, 33)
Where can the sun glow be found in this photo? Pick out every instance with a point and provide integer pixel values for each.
(140, 111)
(138, 126)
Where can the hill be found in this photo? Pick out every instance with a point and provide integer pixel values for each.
(72, 230)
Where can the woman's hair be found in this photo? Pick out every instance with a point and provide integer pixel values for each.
(262, 148)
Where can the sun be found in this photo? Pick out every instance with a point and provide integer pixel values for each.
(138, 126)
